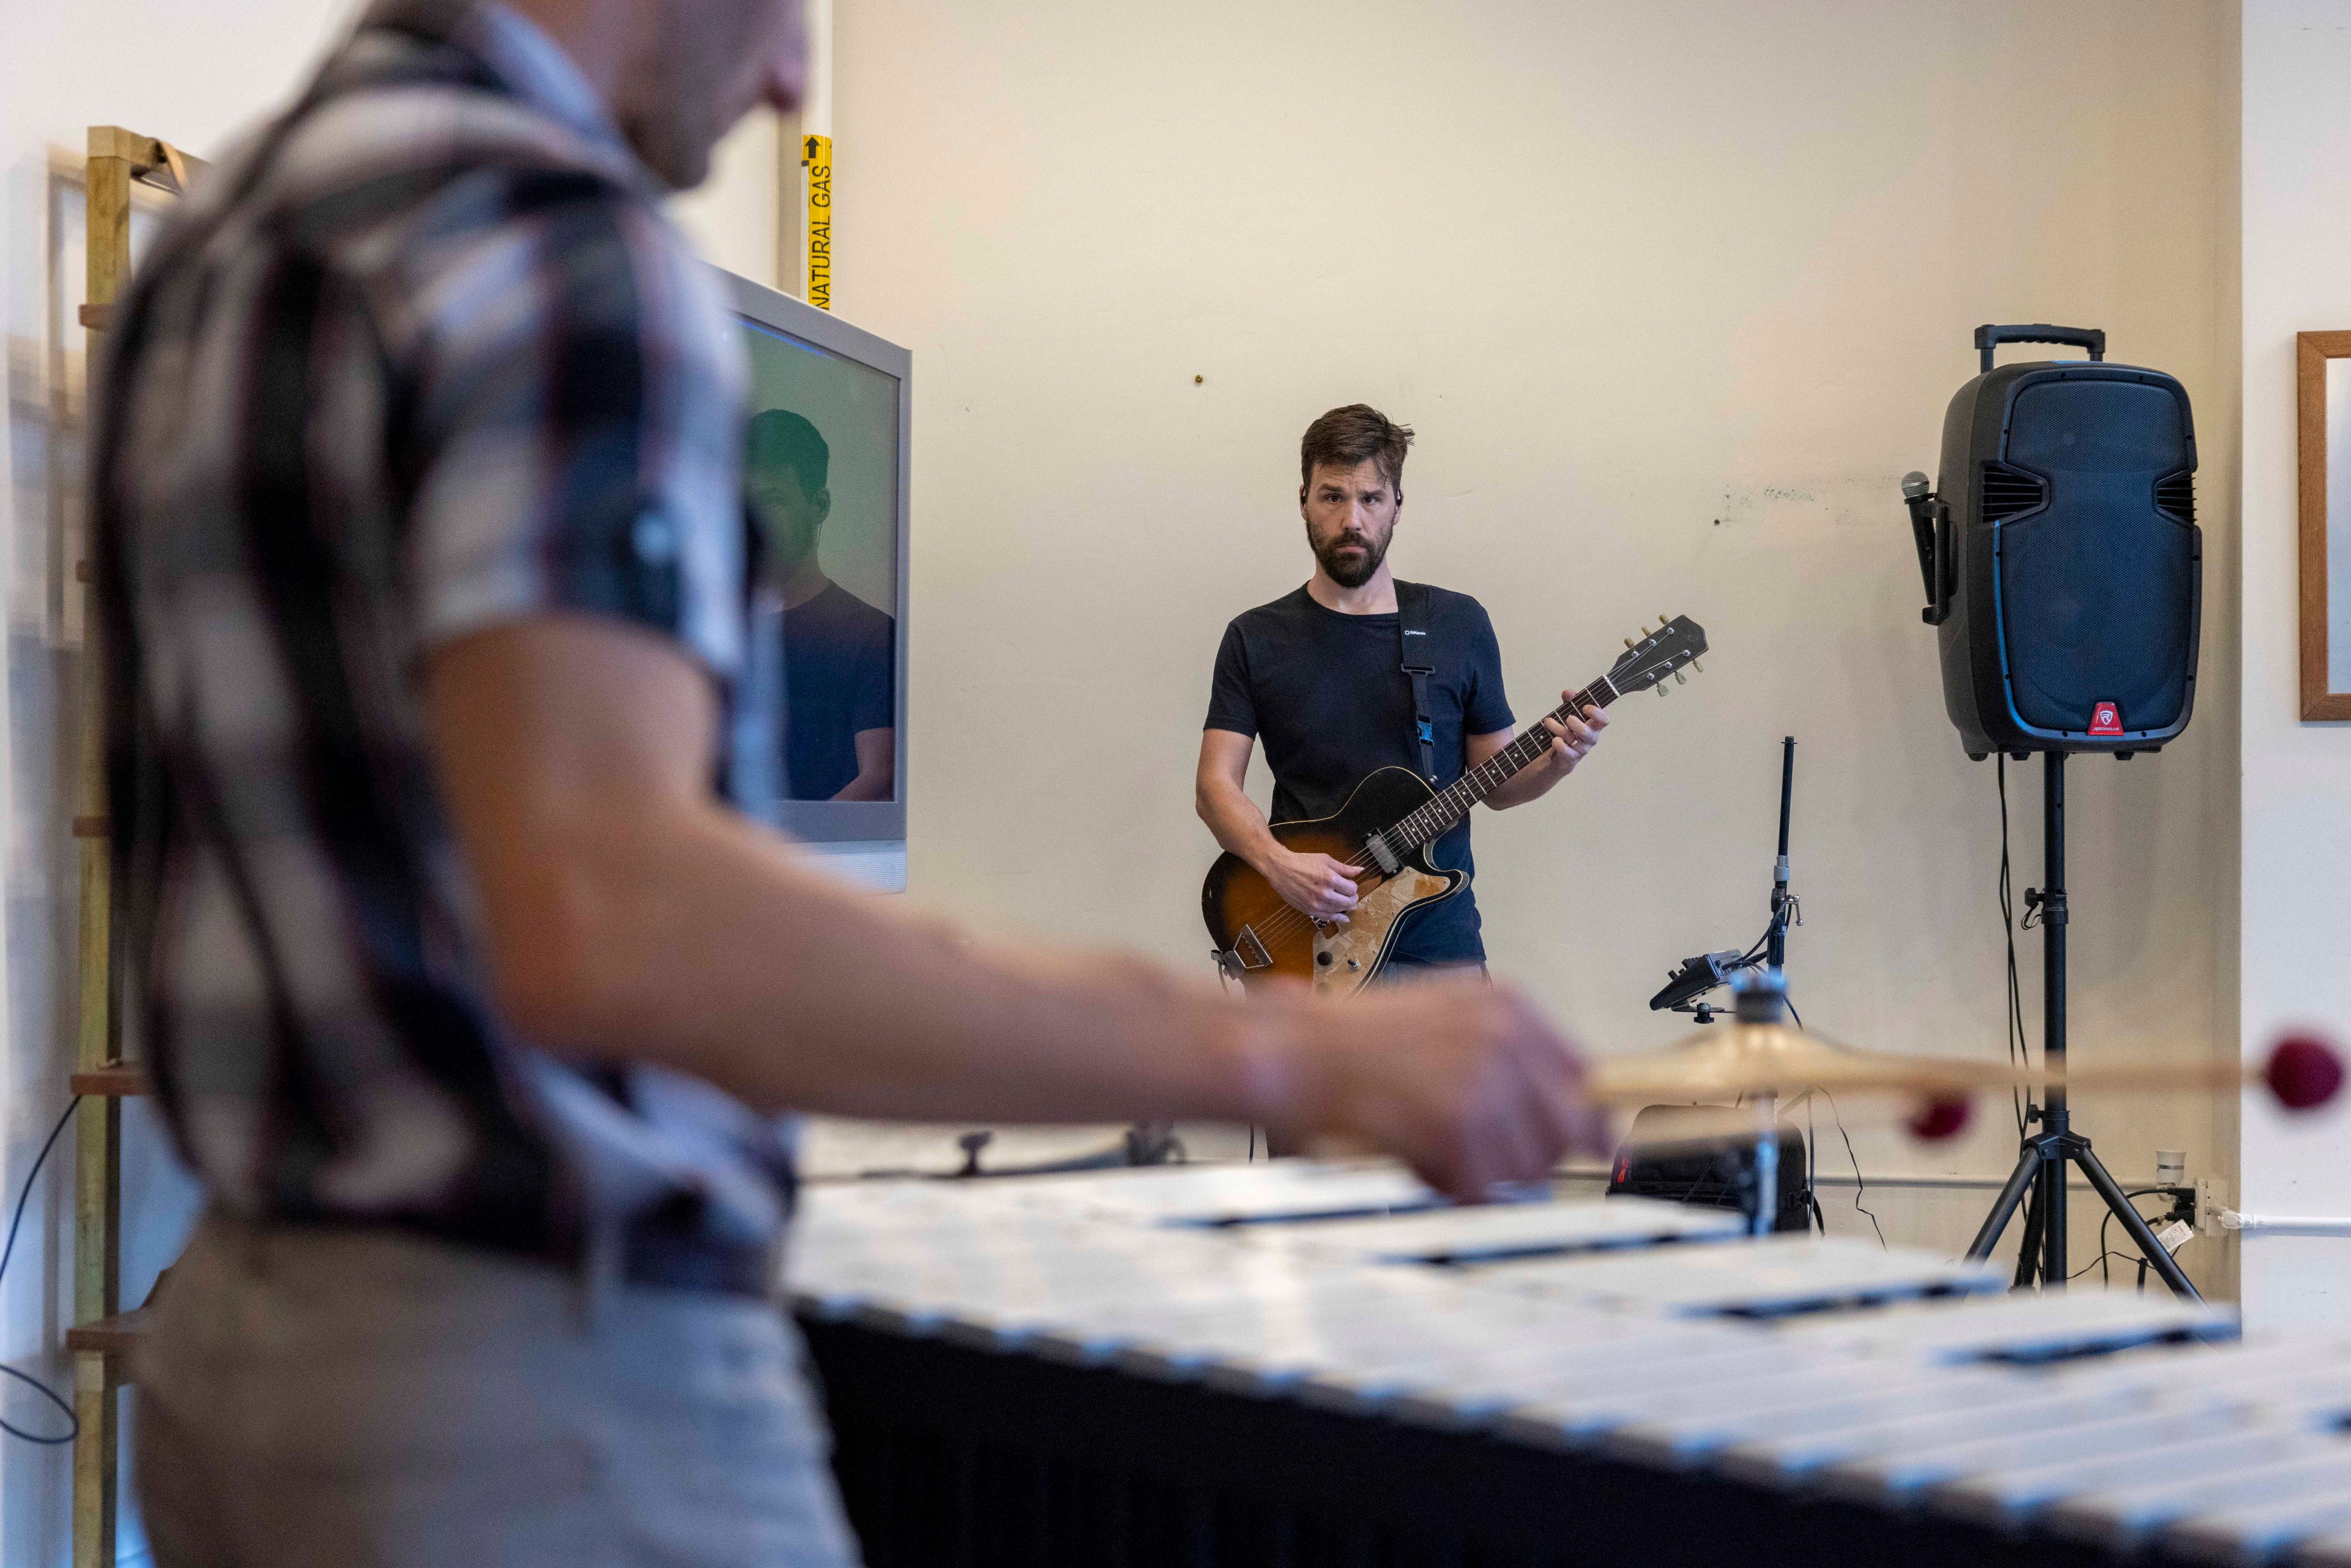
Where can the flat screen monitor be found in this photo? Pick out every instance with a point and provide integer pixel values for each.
(825, 469)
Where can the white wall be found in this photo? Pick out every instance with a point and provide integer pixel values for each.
(2296, 897)
(738, 217)
(1673, 294)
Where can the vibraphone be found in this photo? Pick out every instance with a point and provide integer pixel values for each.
(1306, 1364)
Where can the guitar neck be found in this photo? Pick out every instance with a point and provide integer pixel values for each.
(1453, 803)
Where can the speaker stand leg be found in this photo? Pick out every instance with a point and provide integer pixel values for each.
(2135, 1227)
(2003, 1207)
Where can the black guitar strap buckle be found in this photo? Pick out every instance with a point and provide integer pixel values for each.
(1412, 639)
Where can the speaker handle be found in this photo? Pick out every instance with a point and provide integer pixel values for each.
(1988, 337)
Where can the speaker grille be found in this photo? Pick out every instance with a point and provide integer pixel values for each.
(2098, 587)
(2175, 493)
(2010, 492)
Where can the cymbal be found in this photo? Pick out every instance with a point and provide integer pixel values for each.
(1733, 1059)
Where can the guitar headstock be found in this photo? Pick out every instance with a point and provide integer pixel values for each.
(1648, 661)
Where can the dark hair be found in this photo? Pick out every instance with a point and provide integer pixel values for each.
(1356, 433)
(782, 439)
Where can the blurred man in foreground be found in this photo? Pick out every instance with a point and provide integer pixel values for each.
(472, 1000)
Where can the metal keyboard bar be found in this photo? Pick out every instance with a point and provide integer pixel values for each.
(1526, 1374)
(1773, 1277)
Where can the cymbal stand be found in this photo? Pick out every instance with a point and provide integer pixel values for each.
(2041, 1165)
(1772, 998)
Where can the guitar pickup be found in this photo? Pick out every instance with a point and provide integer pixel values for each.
(1383, 856)
(1250, 951)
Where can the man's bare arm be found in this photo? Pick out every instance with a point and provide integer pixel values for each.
(630, 915)
(1316, 883)
(877, 766)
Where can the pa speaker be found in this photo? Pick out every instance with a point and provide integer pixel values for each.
(2063, 565)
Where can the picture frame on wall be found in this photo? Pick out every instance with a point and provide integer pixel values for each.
(2322, 395)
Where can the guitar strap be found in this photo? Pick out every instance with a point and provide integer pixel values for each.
(1412, 637)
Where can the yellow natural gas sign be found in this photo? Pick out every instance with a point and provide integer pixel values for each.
(816, 157)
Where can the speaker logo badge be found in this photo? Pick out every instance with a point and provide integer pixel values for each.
(2106, 719)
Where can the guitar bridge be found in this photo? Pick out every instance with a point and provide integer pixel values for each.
(1250, 951)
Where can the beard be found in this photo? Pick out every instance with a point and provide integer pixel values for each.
(1350, 567)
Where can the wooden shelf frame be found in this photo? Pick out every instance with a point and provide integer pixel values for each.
(103, 1333)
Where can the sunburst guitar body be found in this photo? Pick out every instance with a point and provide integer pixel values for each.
(1385, 831)
(1268, 939)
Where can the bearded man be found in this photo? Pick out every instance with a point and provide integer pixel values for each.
(1325, 674)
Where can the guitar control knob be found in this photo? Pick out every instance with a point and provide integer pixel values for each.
(1323, 959)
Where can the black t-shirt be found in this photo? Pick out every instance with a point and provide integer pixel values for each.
(840, 661)
(1327, 694)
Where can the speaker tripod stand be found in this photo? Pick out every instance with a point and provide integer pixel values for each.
(2041, 1166)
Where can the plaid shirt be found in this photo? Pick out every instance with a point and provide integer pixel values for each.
(425, 357)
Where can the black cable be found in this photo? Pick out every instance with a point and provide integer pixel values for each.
(1813, 1168)
(2020, 1048)
(1859, 1186)
(73, 1429)
(2107, 1276)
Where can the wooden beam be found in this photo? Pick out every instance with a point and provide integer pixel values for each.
(123, 1079)
(116, 1336)
(94, 1460)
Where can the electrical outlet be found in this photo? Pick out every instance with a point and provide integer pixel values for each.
(2211, 1198)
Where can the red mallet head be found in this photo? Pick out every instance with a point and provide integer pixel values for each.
(1939, 1119)
(2303, 1073)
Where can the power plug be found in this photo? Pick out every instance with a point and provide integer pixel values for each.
(2211, 1198)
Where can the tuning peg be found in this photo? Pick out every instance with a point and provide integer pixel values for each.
(1664, 620)
(1680, 679)
(1628, 642)
(1699, 667)
(1659, 688)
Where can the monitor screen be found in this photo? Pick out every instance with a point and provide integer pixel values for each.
(824, 471)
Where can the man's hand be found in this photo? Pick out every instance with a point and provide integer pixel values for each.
(1315, 884)
(1465, 1081)
(1573, 741)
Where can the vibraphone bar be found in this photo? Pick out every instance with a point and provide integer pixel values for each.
(1308, 1363)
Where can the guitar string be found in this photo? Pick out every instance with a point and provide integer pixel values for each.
(1505, 763)
(1289, 919)
(1287, 922)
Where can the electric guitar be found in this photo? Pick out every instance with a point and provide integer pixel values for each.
(1385, 831)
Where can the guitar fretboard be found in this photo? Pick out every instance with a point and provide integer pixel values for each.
(1452, 804)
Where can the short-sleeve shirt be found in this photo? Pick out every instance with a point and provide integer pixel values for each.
(424, 359)
(1327, 694)
(841, 657)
